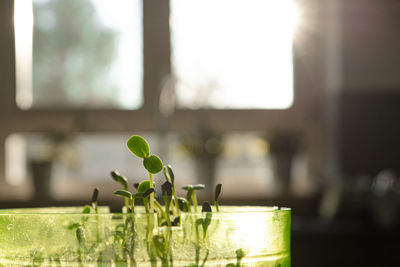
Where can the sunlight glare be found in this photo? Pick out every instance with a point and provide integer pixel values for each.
(253, 233)
(23, 24)
(239, 57)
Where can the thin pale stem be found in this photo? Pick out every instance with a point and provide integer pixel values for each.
(166, 218)
(126, 200)
(146, 204)
(167, 206)
(132, 205)
(205, 259)
(175, 200)
(194, 200)
(96, 210)
(152, 194)
(173, 209)
(126, 204)
(216, 205)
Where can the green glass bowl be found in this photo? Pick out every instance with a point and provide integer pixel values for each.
(237, 235)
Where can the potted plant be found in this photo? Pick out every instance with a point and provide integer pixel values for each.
(181, 232)
(51, 149)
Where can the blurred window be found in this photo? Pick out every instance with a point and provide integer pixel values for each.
(233, 54)
(86, 54)
(224, 55)
(239, 159)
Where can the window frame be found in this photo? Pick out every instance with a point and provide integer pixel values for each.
(302, 118)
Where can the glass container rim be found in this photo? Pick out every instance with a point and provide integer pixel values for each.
(242, 210)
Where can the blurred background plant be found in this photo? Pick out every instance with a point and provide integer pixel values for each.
(54, 148)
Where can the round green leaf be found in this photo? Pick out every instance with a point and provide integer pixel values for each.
(138, 146)
(153, 164)
(138, 195)
(143, 186)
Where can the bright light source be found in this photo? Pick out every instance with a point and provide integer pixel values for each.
(233, 54)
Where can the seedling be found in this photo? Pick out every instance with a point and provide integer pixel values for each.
(94, 200)
(240, 253)
(94, 203)
(167, 196)
(128, 196)
(124, 182)
(158, 244)
(170, 177)
(173, 227)
(216, 196)
(191, 193)
(140, 148)
(143, 187)
(207, 220)
(183, 204)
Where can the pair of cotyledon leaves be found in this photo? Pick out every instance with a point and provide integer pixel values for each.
(140, 148)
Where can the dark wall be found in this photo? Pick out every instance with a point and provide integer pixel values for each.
(370, 99)
(370, 132)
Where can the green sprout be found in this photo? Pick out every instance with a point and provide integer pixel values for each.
(142, 193)
(124, 182)
(191, 193)
(204, 223)
(143, 187)
(167, 196)
(170, 177)
(94, 203)
(140, 148)
(240, 253)
(128, 239)
(216, 196)
(128, 196)
(207, 220)
(169, 214)
(80, 236)
(196, 228)
(120, 179)
(80, 229)
(183, 204)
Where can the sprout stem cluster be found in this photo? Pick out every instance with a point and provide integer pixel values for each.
(169, 214)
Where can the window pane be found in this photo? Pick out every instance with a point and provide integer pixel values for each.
(233, 54)
(77, 162)
(86, 53)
